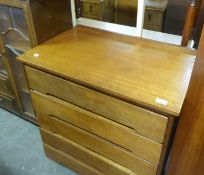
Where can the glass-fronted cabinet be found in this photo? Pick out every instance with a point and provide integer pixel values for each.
(14, 33)
(21, 30)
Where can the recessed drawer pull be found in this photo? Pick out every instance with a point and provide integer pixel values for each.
(67, 123)
(130, 129)
(144, 122)
(97, 144)
(100, 126)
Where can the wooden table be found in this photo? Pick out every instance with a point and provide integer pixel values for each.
(109, 97)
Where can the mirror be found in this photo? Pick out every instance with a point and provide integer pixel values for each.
(122, 12)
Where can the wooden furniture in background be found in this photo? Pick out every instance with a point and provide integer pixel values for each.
(23, 25)
(123, 12)
(102, 10)
(187, 156)
(153, 17)
(110, 108)
(175, 16)
(190, 21)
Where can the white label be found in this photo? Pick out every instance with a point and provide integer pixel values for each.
(36, 55)
(161, 101)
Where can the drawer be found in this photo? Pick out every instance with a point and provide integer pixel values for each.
(97, 144)
(98, 125)
(5, 85)
(153, 18)
(143, 122)
(92, 159)
(91, 9)
(69, 161)
(8, 103)
(91, 17)
(154, 28)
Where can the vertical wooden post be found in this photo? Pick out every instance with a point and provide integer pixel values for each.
(187, 157)
(199, 25)
(190, 21)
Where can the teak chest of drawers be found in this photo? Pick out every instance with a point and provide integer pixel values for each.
(107, 103)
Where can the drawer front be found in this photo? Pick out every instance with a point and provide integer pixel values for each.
(97, 144)
(69, 161)
(154, 28)
(8, 103)
(153, 18)
(143, 122)
(91, 17)
(91, 9)
(92, 159)
(100, 126)
(5, 85)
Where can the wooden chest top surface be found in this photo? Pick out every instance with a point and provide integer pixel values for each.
(139, 71)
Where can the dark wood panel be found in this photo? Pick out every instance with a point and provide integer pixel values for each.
(187, 156)
(52, 21)
(199, 26)
(190, 21)
(175, 16)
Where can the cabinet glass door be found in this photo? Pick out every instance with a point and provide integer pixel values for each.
(16, 39)
(13, 28)
(18, 20)
(14, 34)
(5, 18)
(2, 66)
(20, 79)
(5, 85)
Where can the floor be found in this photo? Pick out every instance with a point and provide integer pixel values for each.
(21, 151)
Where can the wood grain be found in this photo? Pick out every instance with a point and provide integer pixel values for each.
(133, 69)
(190, 21)
(146, 149)
(54, 17)
(70, 161)
(187, 156)
(84, 155)
(97, 125)
(145, 123)
(98, 145)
